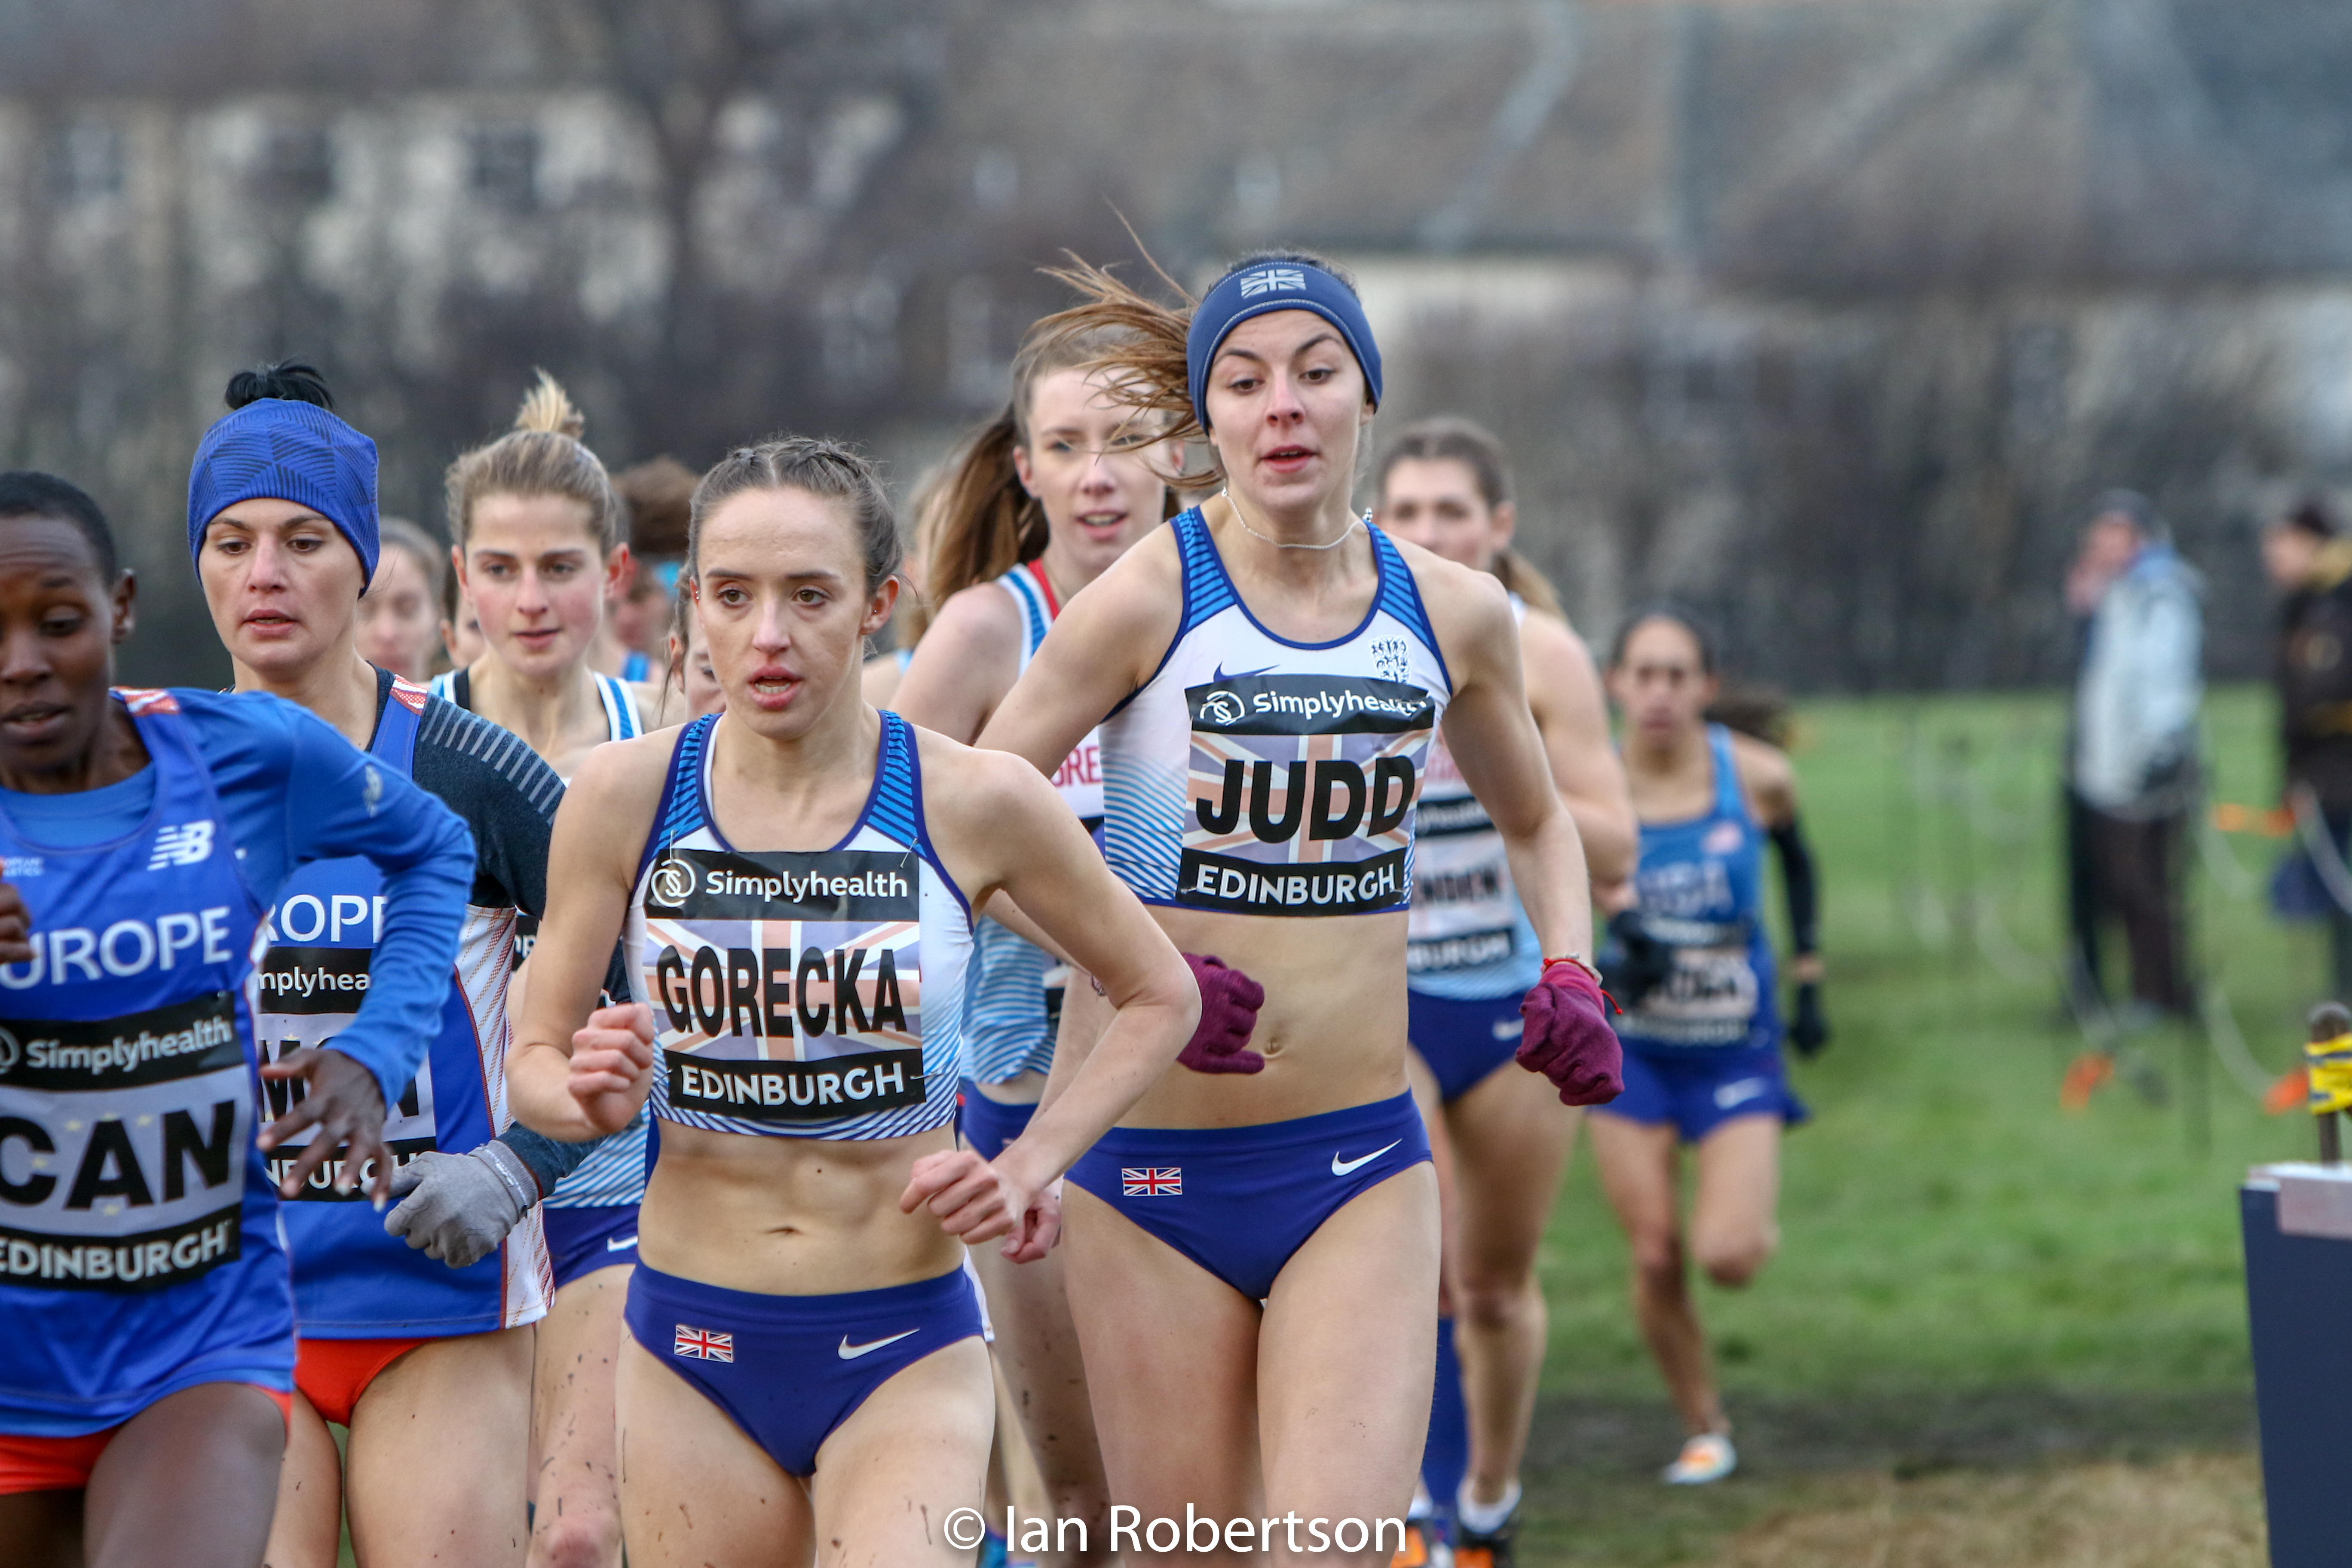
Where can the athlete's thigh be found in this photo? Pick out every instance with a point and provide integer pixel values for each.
(187, 1482)
(1429, 1100)
(914, 1453)
(695, 1490)
(1171, 1355)
(306, 1531)
(435, 1469)
(1511, 1139)
(1638, 1171)
(579, 1344)
(1738, 1187)
(1037, 1346)
(1347, 1356)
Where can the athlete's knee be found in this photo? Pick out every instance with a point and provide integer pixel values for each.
(1732, 1261)
(590, 1537)
(1658, 1260)
(1496, 1300)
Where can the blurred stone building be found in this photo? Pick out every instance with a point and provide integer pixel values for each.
(1825, 314)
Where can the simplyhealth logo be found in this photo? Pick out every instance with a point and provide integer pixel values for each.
(1310, 705)
(825, 885)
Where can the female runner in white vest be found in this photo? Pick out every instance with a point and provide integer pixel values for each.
(538, 535)
(1254, 1258)
(1036, 506)
(795, 876)
(1444, 485)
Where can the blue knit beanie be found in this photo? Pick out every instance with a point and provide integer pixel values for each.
(281, 449)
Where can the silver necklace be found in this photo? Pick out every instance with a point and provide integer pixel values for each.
(1353, 523)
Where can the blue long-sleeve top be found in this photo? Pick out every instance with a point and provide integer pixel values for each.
(292, 791)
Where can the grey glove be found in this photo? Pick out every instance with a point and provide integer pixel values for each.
(458, 1207)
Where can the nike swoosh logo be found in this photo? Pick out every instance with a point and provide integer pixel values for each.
(613, 1244)
(1342, 1167)
(1239, 674)
(851, 1353)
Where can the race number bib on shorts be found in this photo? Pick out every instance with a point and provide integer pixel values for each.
(787, 988)
(308, 995)
(1300, 793)
(123, 1147)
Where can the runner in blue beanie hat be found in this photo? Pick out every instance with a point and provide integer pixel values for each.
(282, 440)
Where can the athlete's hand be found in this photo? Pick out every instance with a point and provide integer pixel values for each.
(458, 1207)
(1638, 962)
(16, 926)
(343, 1103)
(1039, 1230)
(612, 1065)
(1229, 1005)
(1568, 1038)
(974, 1200)
(1809, 1031)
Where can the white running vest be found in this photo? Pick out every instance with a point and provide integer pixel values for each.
(1257, 775)
(1012, 995)
(1468, 938)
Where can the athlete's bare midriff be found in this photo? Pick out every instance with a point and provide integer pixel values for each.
(1332, 1030)
(791, 1216)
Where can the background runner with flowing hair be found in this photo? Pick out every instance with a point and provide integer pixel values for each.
(1032, 507)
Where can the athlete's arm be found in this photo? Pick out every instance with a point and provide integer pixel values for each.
(965, 664)
(1000, 825)
(294, 791)
(1491, 732)
(506, 796)
(1770, 784)
(330, 800)
(1103, 646)
(578, 1071)
(1564, 691)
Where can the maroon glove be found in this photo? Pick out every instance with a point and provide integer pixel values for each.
(1229, 1005)
(1568, 1038)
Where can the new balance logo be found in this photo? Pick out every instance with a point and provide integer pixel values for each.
(1272, 281)
(188, 844)
(703, 1344)
(1151, 1181)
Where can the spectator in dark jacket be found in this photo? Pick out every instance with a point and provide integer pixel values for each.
(2311, 565)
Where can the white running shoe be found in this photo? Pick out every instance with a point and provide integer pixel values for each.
(1706, 1458)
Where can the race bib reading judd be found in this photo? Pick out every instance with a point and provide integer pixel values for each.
(787, 988)
(1301, 792)
(123, 1147)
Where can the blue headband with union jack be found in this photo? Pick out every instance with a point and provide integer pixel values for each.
(1265, 287)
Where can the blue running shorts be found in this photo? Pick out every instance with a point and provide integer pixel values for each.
(1238, 1201)
(788, 1370)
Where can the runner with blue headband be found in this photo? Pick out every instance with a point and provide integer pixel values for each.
(415, 1327)
(1254, 1250)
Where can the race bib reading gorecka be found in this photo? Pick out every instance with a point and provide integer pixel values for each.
(787, 988)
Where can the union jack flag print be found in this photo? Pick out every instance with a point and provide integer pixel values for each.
(1151, 1181)
(704, 1345)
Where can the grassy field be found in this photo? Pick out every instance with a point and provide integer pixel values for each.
(1986, 1311)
